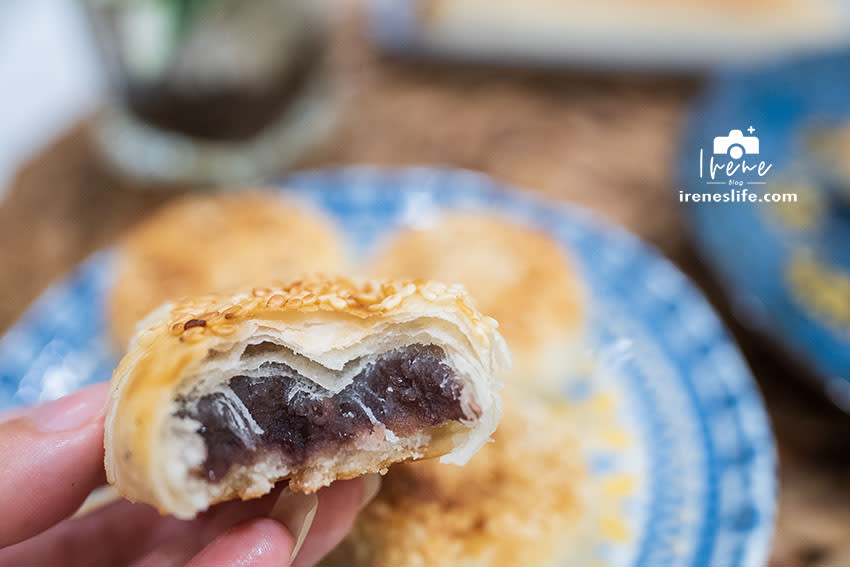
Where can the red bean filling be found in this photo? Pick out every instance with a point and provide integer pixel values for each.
(407, 389)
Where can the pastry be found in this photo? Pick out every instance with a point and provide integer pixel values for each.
(210, 243)
(221, 396)
(518, 275)
(515, 503)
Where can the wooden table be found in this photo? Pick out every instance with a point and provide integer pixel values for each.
(606, 142)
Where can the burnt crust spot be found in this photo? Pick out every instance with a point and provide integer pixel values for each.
(407, 389)
(194, 323)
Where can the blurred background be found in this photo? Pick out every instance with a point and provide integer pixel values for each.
(109, 108)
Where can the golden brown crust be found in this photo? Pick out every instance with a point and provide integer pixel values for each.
(210, 243)
(515, 503)
(518, 275)
(193, 319)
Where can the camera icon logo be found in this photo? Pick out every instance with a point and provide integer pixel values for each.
(736, 144)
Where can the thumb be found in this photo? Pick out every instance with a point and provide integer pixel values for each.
(51, 457)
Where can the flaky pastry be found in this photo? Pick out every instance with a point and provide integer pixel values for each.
(221, 396)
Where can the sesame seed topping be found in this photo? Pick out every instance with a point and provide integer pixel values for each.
(217, 314)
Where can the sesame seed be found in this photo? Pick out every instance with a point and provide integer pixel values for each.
(193, 336)
(194, 323)
(223, 330)
(427, 294)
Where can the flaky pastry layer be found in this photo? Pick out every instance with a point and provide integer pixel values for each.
(320, 379)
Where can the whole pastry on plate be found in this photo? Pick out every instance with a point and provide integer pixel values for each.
(518, 275)
(209, 243)
(321, 379)
(518, 502)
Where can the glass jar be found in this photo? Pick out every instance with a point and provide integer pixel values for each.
(210, 91)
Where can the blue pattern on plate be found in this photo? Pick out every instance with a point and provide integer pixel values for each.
(745, 244)
(699, 419)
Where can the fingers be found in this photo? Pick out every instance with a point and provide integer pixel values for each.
(268, 542)
(176, 545)
(338, 507)
(51, 457)
(121, 532)
(113, 535)
(256, 543)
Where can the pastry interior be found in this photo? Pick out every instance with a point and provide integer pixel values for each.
(273, 414)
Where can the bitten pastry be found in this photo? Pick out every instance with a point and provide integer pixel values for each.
(518, 502)
(518, 275)
(214, 243)
(318, 380)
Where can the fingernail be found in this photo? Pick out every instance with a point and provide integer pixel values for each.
(371, 487)
(295, 510)
(70, 412)
(97, 499)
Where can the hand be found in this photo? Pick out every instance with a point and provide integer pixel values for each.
(51, 458)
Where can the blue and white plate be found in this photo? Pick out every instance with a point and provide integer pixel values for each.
(786, 265)
(671, 427)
